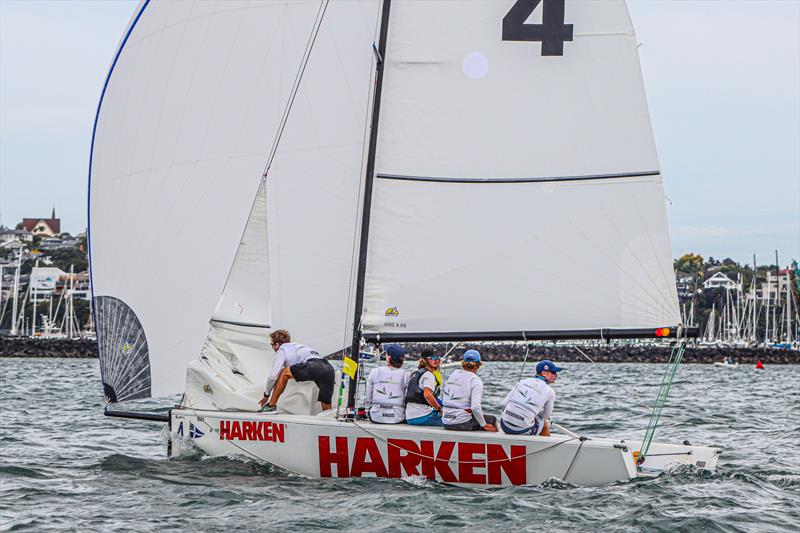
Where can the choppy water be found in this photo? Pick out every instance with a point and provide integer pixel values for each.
(65, 466)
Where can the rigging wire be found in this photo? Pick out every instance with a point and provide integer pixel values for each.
(323, 7)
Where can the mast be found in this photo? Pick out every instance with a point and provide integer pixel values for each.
(16, 289)
(775, 333)
(755, 281)
(365, 214)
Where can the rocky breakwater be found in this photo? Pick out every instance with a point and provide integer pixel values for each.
(27, 347)
(618, 353)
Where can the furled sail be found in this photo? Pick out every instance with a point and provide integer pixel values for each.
(192, 103)
(517, 184)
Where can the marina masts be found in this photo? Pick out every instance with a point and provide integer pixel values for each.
(367, 204)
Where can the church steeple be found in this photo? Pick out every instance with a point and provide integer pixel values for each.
(54, 213)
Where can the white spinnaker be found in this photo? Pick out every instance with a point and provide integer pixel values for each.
(191, 108)
(313, 185)
(460, 103)
(245, 299)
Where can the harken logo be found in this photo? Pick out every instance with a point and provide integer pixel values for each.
(392, 311)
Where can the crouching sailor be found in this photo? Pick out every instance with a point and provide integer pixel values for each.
(298, 362)
(386, 388)
(422, 394)
(463, 394)
(528, 406)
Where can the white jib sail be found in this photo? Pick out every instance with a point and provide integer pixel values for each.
(518, 185)
(313, 185)
(191, 107)
(245, 299)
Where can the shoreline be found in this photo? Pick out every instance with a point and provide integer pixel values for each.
(22, 347)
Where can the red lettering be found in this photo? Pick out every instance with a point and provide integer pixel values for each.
(515, 467)
(236, 430)
(327, 457)
(224, 429)
(439, 464)
(408, 461)
(467, 463)
(277, 432)
(365, 446)
(249, 430)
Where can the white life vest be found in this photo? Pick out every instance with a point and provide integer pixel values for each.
(457, 398)
(388, 395)
(526, 402)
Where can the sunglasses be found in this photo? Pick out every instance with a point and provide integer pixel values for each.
(434, 357)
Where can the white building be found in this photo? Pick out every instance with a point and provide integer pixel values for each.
(720, 281)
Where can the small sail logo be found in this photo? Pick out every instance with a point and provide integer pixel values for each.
(392, 311)
(127, 348)
(389, 395)
(194, 431)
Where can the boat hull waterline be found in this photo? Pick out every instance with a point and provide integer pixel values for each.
(321, 446)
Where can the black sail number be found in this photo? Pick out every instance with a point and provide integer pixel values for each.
(552, 32)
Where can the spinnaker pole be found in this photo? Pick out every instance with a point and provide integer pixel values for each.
(352, 365)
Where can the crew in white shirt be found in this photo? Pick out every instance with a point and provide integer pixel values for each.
(298, 362)
(463, 393)
(529, 405)
(386, 388)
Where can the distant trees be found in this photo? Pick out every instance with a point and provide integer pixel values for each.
(689, 263)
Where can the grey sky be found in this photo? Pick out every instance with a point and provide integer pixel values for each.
(723, 82)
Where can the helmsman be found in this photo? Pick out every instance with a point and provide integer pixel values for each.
(529, 405)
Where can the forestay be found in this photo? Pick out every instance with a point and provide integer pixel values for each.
(517, 184)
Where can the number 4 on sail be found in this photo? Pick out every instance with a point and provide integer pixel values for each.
(310, 165)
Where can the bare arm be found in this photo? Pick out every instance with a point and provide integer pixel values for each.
(430, 398)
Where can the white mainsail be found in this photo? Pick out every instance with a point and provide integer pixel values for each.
(515, 190)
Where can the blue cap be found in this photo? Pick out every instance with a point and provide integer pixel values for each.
(547, 364)
(396, 352)
(472, 356)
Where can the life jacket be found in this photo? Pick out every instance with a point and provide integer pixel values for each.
(526, 402)
(414, 393)
(457, 398)
(387, 386)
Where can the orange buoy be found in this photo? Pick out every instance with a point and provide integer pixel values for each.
(760, 365)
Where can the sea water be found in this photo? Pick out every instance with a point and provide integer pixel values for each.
(64, 466)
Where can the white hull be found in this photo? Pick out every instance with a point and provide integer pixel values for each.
(723, 364)
(321, 446)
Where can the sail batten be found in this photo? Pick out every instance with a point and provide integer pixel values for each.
(518, 180)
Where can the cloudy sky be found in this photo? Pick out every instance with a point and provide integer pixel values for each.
(723, 82)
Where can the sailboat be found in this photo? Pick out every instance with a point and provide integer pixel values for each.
(371, 172)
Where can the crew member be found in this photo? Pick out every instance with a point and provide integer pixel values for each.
(529, 405)
(386, 388)
(298, 362)
(463, 393)
(423, 407)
